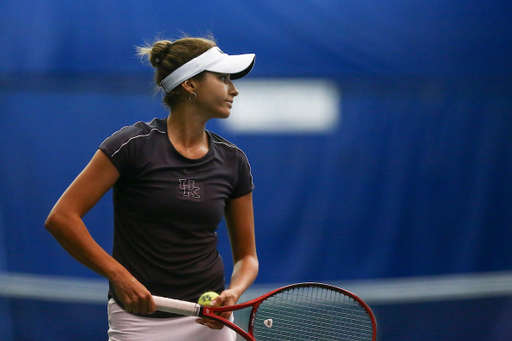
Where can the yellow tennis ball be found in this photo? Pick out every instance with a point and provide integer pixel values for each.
(207, 298)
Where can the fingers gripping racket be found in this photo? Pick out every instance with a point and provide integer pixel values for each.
(305, 311)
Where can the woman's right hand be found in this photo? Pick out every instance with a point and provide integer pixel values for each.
(135, 297)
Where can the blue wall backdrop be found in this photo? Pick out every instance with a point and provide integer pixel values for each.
(415, 179)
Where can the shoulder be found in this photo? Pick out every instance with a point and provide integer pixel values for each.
(136, 133)
(220, 141)
(140, 129)
(228, 149)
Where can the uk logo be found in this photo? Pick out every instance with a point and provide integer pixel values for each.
(189, 188)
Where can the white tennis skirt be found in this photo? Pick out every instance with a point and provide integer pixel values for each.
(124, 326)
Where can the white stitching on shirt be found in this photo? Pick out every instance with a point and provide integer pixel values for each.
(135, 137)
(232, 146)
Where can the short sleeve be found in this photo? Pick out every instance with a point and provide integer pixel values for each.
(245, 182)
(118, 148)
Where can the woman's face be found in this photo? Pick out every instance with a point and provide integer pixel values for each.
(215, 94)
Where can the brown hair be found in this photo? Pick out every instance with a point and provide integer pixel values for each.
(166, 56)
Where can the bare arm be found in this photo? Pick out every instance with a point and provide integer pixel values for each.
(240, 223)
(66, 225)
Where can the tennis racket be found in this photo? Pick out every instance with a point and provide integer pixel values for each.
(304, 311)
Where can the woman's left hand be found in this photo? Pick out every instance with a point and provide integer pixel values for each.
(226, 298)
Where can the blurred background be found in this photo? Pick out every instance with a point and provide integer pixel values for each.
(378, 131)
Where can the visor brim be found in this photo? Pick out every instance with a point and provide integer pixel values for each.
(237, 66)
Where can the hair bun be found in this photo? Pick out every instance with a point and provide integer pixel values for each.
(159, 51)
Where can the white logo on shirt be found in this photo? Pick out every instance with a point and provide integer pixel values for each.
(189, 188)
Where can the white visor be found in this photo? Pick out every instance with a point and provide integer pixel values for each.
(213, 60)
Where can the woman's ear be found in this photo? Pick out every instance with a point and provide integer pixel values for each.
(189, 85)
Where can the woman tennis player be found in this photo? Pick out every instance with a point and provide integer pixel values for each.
(173, 181)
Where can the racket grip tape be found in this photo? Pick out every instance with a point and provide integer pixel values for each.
(171, 305)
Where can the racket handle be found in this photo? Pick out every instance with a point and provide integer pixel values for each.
(171, 305)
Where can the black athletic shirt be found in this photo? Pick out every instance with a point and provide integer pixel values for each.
(167, 208)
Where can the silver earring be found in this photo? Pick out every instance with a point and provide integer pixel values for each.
(192, 97)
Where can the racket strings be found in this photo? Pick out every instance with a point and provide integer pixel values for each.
(311, 313)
